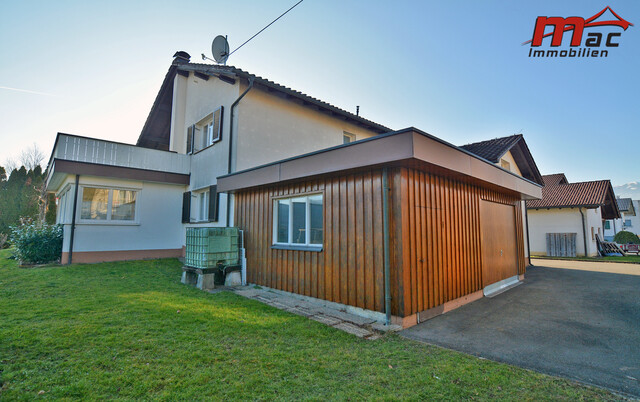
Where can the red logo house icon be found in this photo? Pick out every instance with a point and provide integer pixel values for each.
(576, 26)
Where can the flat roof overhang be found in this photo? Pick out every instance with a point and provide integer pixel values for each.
(61, 168)
(406, 147)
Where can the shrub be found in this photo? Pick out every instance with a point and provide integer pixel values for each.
(36, 243)
(3, 240)
(625, 237)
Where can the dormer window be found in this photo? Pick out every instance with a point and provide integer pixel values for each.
(205, 132)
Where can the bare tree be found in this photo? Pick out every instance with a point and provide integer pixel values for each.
(10, 165)
(31, 157)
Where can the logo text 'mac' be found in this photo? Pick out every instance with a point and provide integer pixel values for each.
(576, 24)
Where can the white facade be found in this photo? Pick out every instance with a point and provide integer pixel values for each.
(565, 220)
(627, 222)
(265, 128)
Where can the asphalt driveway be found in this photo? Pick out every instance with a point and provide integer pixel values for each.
(572, 323)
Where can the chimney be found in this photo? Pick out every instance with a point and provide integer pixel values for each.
(181, 57)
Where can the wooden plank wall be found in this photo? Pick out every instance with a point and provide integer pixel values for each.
(349, 270)
(436, 245)
(435, 240)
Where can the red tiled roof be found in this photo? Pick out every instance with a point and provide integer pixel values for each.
(554, 179)
(582, 194)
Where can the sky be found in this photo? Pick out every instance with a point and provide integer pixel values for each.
(455, 69)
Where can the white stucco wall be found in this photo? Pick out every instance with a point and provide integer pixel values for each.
(512, 162)
(158, 225)
(271, 128)
(563, 220)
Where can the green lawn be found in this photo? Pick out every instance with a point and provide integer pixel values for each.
(635, 259)
(130, 330)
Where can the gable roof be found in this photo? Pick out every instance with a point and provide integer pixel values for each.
(493, 150)
(625, 205)
(554, 179)
(156, 131)
(589, 194)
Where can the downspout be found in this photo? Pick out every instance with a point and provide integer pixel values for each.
(73, 219)
(584, 233)
(526, 220)
(385, 229)
(233, 106)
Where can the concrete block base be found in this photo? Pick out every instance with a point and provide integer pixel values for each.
(200, 280)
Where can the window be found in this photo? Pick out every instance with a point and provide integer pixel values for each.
(200, 206)
(505, 164)
(62, 205)
(200, 201)
(206, 132)
(298, 221)
(627, 223)
(348, 137)
(593, 236)
(104, 204)
(607, 225)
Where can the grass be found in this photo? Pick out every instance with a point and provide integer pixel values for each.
(634, 259)
(130, 330)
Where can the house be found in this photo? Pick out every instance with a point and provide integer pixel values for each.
(510, 153)
(121, 201)
(629, 218)
(567, 219)
(398, 225)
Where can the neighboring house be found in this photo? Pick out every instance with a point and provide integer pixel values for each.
(569, 216)
(629, 219)
(318, 192)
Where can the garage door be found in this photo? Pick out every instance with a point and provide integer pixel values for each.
(499, 255)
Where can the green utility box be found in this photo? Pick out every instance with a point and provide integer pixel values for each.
(212, 247)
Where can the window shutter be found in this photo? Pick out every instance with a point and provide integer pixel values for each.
(217, 124)
(190, 134)
(186, 207)
(213, 203)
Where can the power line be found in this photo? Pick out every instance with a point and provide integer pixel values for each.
(281, 15)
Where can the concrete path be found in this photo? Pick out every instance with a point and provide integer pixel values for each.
(609, 267)
(318, 310)
(574, 323)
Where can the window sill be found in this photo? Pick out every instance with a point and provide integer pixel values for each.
(107, 223)
(296, 247)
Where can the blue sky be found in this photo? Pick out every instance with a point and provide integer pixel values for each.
(455, 69)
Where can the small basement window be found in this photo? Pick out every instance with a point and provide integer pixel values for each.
(298, 222)
(108, 204)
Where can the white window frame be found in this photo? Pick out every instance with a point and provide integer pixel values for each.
(203, 135)
(200, 200)
(307, 242)
(63, 200)
(351, 136)
(108, 221)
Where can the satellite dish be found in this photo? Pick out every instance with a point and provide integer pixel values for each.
(220, 49)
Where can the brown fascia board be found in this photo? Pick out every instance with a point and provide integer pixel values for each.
(96, 169)
(404, 145)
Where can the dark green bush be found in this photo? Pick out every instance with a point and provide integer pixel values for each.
(625, 237)
(36, 243)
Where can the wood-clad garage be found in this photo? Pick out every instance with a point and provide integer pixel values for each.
(455, 224)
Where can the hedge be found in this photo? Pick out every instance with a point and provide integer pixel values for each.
(36, 243)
